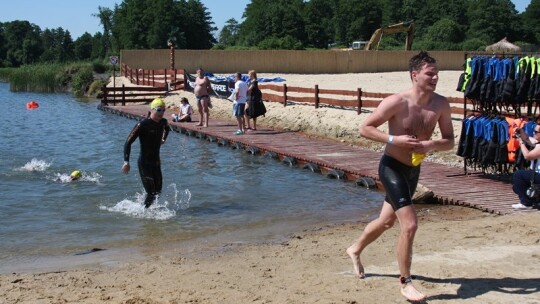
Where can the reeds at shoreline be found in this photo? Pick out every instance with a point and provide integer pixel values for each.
(51, 78)
(45, 78)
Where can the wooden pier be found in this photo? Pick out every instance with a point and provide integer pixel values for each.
(335, 159)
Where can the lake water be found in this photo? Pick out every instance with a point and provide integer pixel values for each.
(212, 194)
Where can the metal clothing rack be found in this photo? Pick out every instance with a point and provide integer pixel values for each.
(477, 107)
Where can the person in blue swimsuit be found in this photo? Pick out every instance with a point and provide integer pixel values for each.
(152, 133)
(412, 116)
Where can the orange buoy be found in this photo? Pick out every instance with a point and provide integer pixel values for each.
(32, 105)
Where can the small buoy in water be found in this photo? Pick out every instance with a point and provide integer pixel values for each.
(32, 105)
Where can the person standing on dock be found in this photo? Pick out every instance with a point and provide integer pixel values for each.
(202, 90)
(152, 133)
(412, 116)
(239, 103)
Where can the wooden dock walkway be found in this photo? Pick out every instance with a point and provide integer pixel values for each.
(340, 160)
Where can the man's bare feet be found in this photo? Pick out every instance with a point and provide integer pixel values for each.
(410, 292)
(199, 125)
(358, 268)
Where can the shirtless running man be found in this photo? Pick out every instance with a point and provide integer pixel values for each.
(202, 89)
(412, 116)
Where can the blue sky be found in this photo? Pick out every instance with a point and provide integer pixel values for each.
(76, 16)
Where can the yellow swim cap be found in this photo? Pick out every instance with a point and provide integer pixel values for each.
(76, 174)
(157, 103)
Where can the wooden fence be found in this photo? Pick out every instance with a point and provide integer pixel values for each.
(123, 95)
(339, 98)
(150, 84)
(165, 78)
(286, 61)
(162, 81)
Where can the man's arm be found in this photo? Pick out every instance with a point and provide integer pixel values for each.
(236, 90)
(525, 142)
(209, 89)
(447, 130)
(383, 113)
(166, 130)
(127, 147)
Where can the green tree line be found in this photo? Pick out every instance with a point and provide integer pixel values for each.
(276, 24)
(440, 24)
(24, 43)
(132, 24)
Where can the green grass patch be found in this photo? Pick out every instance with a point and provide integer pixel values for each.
(36, 78)
(5, 73)
(51, 78)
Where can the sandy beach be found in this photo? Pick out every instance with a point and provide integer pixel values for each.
(461, 255)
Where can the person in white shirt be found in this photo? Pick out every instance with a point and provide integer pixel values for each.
(239, 104)
(521, 180)
(185, 112)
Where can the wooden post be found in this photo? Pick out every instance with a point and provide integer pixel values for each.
(359, 93)
(123, 94)
(284, 95)
(113, 93)
(185, 80)
(171, 45)
(166, 74)
(316, 96)
(104, 96)
(145, 80)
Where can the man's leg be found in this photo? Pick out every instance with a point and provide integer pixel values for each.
(149, 200)
(240, 123)
(205, 101)
(200, 108)
(408, 225)
(521, 180)
(372, 231)
(149, 184)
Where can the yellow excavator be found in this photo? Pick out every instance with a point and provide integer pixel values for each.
(403, 27)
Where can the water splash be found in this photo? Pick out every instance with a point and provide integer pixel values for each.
(165, 206)
(90, 177)
(35, 165)
(180, 198)
(61, 177)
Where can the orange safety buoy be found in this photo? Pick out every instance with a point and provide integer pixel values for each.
(32, 105)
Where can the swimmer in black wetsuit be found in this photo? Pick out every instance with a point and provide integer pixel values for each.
(412, 116)
(152, 133)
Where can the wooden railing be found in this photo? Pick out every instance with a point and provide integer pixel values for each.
(165, 80)
(150, 84)
(345, 98)
(122, 95)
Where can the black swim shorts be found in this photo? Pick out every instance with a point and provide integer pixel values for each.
(399, 181)
(201, 97)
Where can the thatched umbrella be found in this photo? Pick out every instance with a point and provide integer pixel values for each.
(503, 46)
